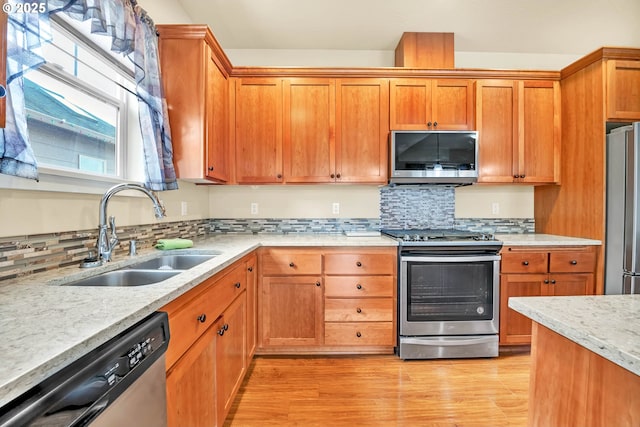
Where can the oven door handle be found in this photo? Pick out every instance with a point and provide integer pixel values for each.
(451, 258)
(449, 340)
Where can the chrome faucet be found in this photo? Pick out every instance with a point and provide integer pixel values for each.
(105, 245)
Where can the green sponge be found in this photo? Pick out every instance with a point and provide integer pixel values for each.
(165, 244)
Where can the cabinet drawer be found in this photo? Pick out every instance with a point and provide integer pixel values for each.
(278, 262)
(524, 262)
(572, 262)
(358, 310)
(353, 263)
(357, 333)
(192, 319)
(359, 286)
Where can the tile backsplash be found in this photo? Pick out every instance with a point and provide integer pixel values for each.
(401, 207)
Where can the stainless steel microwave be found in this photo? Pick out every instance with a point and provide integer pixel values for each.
(434, 157)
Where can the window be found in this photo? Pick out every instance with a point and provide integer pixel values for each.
(82, 113)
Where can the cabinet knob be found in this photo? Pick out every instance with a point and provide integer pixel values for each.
(237, 285)
(358, 334)
(429, 124)
(358, 310)
(553, 281)
(210, 168)
(291, 264)
(338, 176)
(226, 326)
(221, 331)
(279, 176)
(332, 175)
(202, 318)
(250, 269)
(435, 124)
(515, 176)
(546, 281)
(521, 176)
(574, 262)
(317, 283)
(525, 262)
(359, 264)
(359, 286)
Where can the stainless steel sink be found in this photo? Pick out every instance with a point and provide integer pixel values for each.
(172, 262)
(126, 278)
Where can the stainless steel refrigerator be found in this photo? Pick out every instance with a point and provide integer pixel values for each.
(622, 240)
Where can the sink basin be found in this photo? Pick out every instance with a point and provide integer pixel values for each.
(126, 278)
(172, 262)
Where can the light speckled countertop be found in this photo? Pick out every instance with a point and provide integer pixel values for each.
(44, 327)
(608, 325)
(544, 240)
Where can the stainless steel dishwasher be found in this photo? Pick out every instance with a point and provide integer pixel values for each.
(121, 382)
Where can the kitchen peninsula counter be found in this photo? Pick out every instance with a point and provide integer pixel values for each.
(585, 359)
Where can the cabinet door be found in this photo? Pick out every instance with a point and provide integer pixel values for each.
(292, 311)
(362, 130)
(191, 385)
(230, 354)
(410, 104)
(252, 309)
(497, 124)
(3, 68)
(514, 327)
(217, 101)
(623, 90)
(258, 130)
(452, 104)
(570, 284)
(539, 132)
(309, 130)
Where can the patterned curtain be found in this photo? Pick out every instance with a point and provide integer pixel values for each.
(132, 34)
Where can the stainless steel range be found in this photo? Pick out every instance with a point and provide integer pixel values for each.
(449, 284)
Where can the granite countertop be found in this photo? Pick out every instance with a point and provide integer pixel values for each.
(608, 325)
(544, 240)
(45, 326)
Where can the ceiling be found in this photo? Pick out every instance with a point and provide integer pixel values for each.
(522, 26)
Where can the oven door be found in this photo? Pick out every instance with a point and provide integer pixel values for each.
(449, 295)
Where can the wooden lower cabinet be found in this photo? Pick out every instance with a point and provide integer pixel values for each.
(331, 300)
(537, 271)
(208, 357)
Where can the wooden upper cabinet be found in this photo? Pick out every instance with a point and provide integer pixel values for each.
(258, 130)
(623, 90)
(3, 68)
(419, 104)
(309, 130)
(518, 126)
(197, 100)
(362, 130)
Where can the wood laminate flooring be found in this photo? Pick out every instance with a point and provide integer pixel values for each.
(383, 391)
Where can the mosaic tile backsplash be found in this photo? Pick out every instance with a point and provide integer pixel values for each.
(401, 207)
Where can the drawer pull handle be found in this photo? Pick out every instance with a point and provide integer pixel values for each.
(250, 269)
(317, 283)
(359, 264)
(359, 286)
(525, 262)
(574, 262)
(359, 310)
(358, 334)
(291, 264)
(202, 318)
(237, 285)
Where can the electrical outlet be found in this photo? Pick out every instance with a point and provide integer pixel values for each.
(254, 208)
(495, 208)
(184, 208)
(336, 208)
